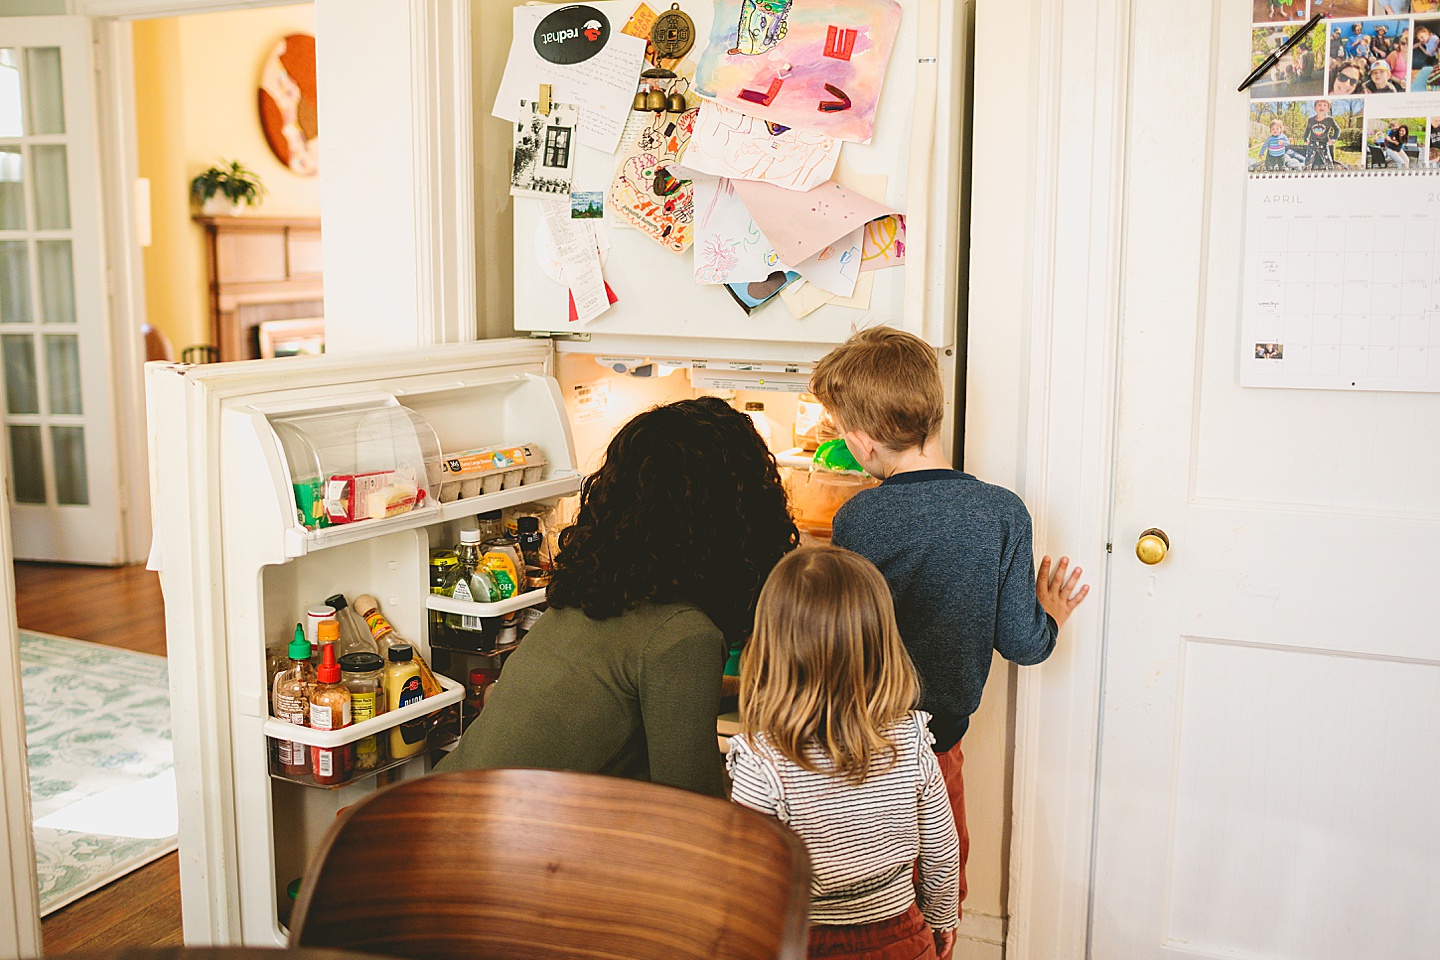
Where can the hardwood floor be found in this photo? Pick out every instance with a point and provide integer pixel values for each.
(120, 607)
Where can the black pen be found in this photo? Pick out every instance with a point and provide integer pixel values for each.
(1274, 58)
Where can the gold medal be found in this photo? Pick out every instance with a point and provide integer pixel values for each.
(673, 34)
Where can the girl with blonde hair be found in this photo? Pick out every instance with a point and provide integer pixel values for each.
(831, 746)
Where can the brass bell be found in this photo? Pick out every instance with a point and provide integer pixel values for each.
(675, 103)
(655, 101)
(641, 101)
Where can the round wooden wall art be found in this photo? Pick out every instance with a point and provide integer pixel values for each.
(288, 112)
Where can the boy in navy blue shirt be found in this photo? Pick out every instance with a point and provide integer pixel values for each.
(955, 551)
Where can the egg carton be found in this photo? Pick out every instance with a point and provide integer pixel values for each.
(475, 473)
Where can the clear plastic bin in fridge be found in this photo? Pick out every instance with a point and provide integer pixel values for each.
(361, 460)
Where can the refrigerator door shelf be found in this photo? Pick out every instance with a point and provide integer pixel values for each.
(558, 486)
(500, 608)
(451, 693)
(432, 747)
(299, 541)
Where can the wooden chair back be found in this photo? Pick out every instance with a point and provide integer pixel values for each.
(157, 345)
(532, 864)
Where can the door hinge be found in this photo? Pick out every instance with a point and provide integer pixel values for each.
(1109, 548)
(550, 335)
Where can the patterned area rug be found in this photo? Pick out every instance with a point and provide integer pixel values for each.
(102, 783)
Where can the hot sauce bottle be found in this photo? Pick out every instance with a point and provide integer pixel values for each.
(330, 710)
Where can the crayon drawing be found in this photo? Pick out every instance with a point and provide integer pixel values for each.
(813, 65)
(836, 268)
(884, 243)
(729, 247)
(730, 144)
(648, 197)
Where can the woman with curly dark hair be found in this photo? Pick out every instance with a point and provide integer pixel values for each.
(677, 532)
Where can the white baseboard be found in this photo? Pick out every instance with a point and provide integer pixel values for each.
(980, 937)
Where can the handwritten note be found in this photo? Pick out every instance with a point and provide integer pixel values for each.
(603, 86)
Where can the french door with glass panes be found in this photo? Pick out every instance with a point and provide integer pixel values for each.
(59, 412)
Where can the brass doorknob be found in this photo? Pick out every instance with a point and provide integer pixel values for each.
(1152, 546)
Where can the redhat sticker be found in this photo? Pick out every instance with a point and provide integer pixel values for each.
(572, 34)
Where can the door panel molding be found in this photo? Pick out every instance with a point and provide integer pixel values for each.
(1081, 53)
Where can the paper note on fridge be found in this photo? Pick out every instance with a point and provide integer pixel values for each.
(727, 143)
(729, 247)
(802, 223)
(575, 249)
(580, 52)
(884, 243)
(810, 64)
(836, 268)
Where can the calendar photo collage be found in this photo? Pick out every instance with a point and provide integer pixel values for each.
(1360, 92)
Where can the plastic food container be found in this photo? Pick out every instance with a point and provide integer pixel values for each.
(359, 460)
(816, 495)
(474, 473)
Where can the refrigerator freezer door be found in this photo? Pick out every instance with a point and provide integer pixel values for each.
(915, 148)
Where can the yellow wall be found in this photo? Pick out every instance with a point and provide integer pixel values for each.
(196, 83)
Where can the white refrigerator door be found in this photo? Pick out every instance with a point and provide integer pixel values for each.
(237, 571)
(916, 147)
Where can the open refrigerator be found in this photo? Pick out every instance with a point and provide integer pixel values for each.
(239, 452)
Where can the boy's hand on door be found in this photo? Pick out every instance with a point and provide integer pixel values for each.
(1059, 595)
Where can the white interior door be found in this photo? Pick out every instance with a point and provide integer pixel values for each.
(54, 342)
(1270, 751)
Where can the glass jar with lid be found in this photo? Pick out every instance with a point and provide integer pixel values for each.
(363, 674)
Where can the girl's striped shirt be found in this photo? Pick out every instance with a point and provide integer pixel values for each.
(863, 838)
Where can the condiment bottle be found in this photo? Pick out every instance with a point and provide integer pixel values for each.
(469, 580)
(442, 562)
(364, 676)
(355, 637)
(500, 555)
(480, 680)
(402, 688)
(532, 548)
(290, 696)
(384, 634)
(313, 616)
(490, 524)
(330, 710)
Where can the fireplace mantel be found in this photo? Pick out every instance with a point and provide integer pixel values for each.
(261, 268)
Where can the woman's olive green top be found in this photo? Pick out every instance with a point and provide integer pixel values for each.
(632, 696)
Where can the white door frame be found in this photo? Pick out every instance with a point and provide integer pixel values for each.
(19, 894)
(432, 123)
(1068, 232)
(437, 128)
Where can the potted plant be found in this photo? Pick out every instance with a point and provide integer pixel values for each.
(226, 189)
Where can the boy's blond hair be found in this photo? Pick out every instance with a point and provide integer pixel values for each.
(885, 383)
(825, 674)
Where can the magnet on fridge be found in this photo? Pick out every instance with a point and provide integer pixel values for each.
(542, 102)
